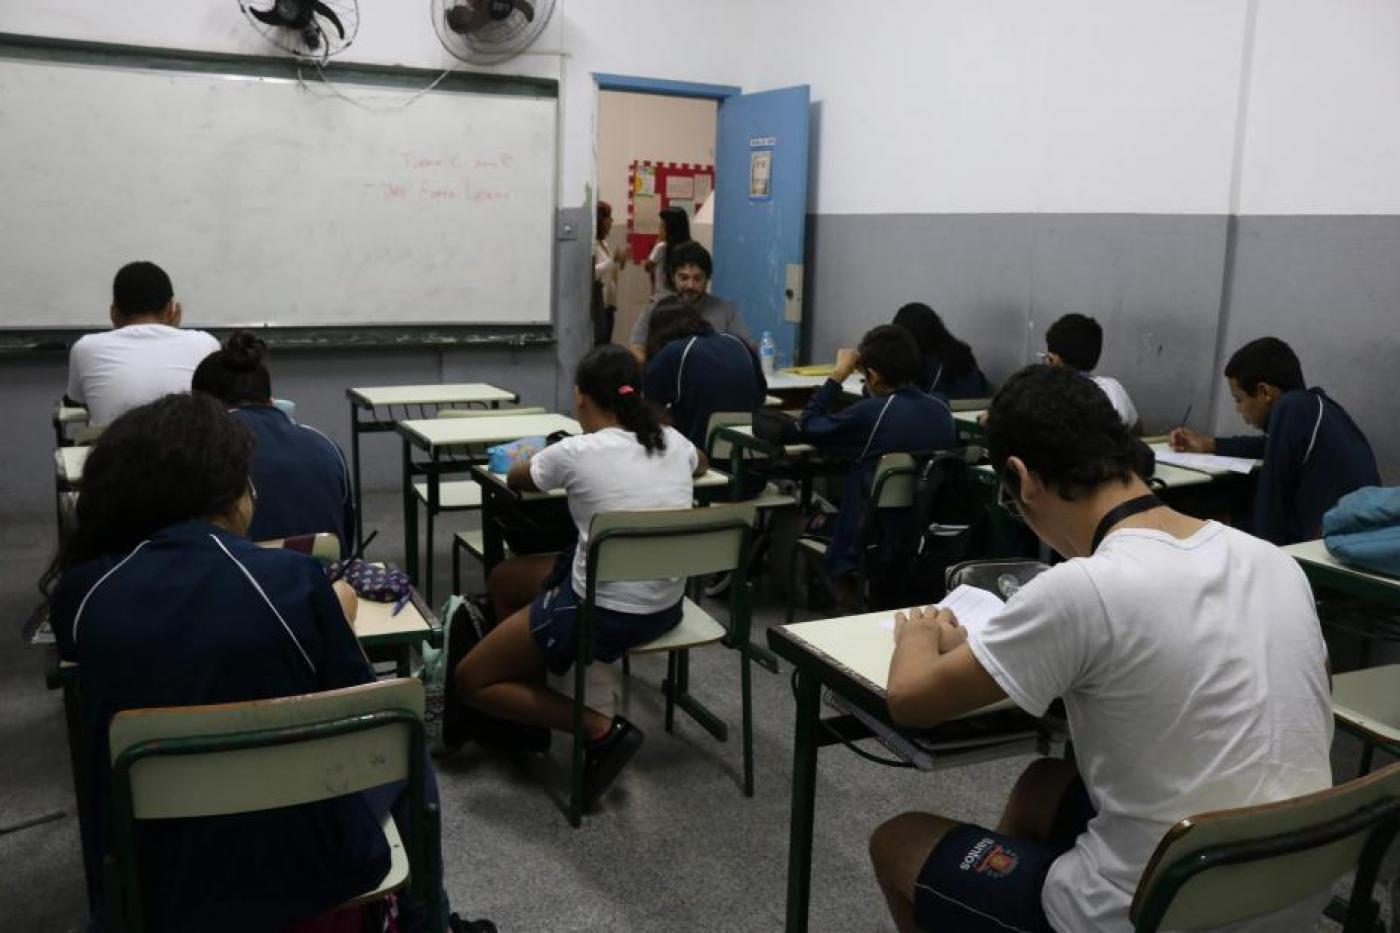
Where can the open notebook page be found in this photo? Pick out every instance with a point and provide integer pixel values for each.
(973, 606)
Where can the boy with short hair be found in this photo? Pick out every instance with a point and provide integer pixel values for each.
(1076, 341)
(145, 356)
(1171, 712)
(1313, 452)
(897, 417)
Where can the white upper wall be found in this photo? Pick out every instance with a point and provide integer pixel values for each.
(1323, 132)
(950, 106)
(945, 106)
(708, 42)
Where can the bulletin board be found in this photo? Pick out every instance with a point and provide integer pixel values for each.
(652, 186)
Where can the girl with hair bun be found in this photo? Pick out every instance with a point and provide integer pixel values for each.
(300, 474)
(625, 459)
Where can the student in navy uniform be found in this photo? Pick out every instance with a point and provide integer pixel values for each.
(162, 601)
(300, 475)
(694, 371)
(897, 418)
(1313, 452)
(947, 366)
(625, 459)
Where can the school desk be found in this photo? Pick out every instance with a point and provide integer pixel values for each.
(968, 422)
(495, 493)
(66, 417)
(850, 657)
(1325, 572)
(69, 462)
(442, 440)
(421, 397)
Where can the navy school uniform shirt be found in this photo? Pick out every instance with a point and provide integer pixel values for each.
(196, 615)
(1313, 455)
(700, 375)
(302, 482)
(937, 380)
(907, 421)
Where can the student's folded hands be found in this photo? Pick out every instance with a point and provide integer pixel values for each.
(943, 623)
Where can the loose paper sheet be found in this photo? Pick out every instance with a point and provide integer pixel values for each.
(973, 606)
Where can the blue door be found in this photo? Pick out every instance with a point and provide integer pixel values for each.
(761, 210)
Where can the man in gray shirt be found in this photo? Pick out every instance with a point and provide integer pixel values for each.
(690, 268)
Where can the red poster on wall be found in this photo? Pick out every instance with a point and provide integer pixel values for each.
(652, 186)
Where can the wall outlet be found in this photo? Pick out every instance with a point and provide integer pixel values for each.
(566, 230)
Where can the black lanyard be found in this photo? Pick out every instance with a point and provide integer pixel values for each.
(1119, 512)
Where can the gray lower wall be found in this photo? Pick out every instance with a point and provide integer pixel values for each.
(1329, 285)
(317, 380)
(1171, 307)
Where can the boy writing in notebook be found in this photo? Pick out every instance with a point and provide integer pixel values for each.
(1188, 656)
(1313, 452)
(1076, 341)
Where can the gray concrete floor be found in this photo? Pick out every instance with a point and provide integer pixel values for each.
(675, 845)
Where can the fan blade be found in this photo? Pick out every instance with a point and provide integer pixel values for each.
(527, 8)
(267, 16)
(318, 7)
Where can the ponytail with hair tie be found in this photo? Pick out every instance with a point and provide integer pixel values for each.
(609, 375)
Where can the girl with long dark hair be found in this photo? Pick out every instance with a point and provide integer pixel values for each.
(625, 459)
(948, 367)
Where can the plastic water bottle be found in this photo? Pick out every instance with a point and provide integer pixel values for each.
(767, 350)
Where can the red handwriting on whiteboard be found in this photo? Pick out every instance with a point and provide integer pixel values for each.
(483, 195)
(503, 160)
(427, 192)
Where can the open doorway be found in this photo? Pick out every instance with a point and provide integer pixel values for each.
(654, 151)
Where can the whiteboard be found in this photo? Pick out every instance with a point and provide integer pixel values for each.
(270, 201)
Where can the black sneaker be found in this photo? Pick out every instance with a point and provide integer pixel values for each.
(457, 925)
(605, 757)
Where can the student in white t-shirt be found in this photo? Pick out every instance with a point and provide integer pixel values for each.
(1076, 341)
(625, 459)
(1189, 659)
(144, 356)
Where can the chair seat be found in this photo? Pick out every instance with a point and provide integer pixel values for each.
(771, 498)
(395, 878)
(697, 627)
(453, 494)
(1369, 702)
(474, 543)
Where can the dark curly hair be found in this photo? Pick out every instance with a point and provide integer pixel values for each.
(235, 373)
(1063, 427)
(611, 376)
(673, 319)
(1267, 360)
(179, 458)
(1077, 339)
(890, 350)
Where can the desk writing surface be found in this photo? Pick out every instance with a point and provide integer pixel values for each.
(71, 414)
(969, 416)
(70, 462)
(791, 450)
(376, 620)
(448, 432)
(1204, 465)
(449, 394)
(789, 381)
(1315, 553)
(711, 479)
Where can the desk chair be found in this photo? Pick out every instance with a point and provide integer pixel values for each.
(461, 495)
(1366, 703)
(893, 488)
(716, 448)
(194, 761)
(1230, 865)
(654, 545)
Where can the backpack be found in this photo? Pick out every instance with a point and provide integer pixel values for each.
(465, 622)
(947, 524)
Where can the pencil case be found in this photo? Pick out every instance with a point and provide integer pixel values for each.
(504, 456)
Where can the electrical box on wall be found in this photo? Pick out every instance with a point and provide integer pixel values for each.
(792, 294)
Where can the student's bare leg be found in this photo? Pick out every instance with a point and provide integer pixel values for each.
(505, 676)
(898, 849)
(514, 583)
(1030, 812)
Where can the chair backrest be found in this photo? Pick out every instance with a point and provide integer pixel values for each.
(491, 412)
(1221, 867)
(191, 761)
(323, 545)
(658, 545)
(717, 447)
(895, 478)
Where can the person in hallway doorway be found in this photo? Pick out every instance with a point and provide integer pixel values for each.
(1313, 452)
(690, 268)
(1171, 712)
(144, 356)
(675, 228)
(607, 265)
